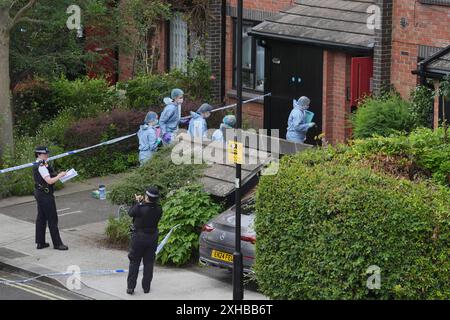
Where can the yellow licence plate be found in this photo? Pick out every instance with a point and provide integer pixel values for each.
(222, 256)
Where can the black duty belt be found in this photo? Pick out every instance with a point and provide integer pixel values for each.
(45, 189)
(144, 230)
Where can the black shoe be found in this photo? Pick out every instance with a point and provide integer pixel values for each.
(61, 247)
(42, 246)
(130, 291)
(146, 291)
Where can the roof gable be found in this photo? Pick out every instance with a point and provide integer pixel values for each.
(335, 23)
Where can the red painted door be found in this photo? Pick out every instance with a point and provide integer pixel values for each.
(361, 79)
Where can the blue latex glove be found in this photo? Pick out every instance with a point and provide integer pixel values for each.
(312, 124)
(167, 137)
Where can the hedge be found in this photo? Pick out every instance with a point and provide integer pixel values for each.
(148, 91)
(160, 171)
(321, 223)
(381, 116)
(421, 154)
(105, 126)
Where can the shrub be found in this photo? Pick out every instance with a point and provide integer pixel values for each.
(20, 183)
(423, 151)
(160, 171)
(84, 97)
(197, 79)
(190, 207)
(108, 159)
(148, 92)
(31, 101)
(421, 107)
(321, 224)
(118, 230)
(54, 130)
(381, 116)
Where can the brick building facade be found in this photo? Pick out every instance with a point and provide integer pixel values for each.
(254, 12)
(355, 58)
(419, 29)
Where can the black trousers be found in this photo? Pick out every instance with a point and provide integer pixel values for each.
(46, 214)
(142, 247)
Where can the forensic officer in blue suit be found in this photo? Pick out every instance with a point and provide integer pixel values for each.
(171, 115)
(198, 127)
(148, 136)
(297, 123)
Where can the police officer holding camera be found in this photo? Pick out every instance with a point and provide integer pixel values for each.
(44, 179)
(144, 238)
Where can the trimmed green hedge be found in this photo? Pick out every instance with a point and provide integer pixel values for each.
(321, 223)
(421, 154)
(160, 171)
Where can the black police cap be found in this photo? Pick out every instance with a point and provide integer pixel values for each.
(42, 150)
(152, 192)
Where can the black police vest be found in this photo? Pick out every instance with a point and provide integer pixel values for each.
(39, 182)
(147, 217)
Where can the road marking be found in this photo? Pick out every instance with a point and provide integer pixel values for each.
(61, 210)
(33, 290)
(44, 292)
(66, 214)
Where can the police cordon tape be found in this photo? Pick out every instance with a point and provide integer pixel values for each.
(113, 141)
(89, 272)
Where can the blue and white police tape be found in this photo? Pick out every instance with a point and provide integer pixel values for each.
(89, 272)
(28, 165)
(234, 104)
(109, 142)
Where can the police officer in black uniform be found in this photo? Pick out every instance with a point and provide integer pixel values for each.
(44, 179)
(144, 238)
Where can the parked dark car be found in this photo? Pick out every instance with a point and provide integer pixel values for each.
(217, 239)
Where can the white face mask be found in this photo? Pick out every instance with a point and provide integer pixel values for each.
(179, 101)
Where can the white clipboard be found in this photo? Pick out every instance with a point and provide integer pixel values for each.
(72, 173)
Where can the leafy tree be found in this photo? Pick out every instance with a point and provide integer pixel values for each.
(36, 32)
(140, 21)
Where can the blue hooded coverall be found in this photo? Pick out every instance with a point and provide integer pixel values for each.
(297, 125)
(148, 142)
(197, 126)
(170, 118)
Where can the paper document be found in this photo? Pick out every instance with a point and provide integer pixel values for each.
(309, 116)
(70, 175)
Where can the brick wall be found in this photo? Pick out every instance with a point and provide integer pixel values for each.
(266, 5)
(382, 53)
(424, 24)
(252, 113)
(213, 47)
(256, 10)
(335, 107)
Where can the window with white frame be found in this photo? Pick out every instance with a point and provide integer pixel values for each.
(252, 59)
(178, 42)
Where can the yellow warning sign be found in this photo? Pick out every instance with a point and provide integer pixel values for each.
(235, 152)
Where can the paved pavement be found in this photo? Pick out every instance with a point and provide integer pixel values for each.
(73, 210)
(82, 225)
